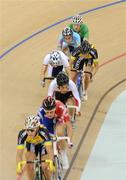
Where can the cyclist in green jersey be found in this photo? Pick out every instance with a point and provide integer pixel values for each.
(78, 26)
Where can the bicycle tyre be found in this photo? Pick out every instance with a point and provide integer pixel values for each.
(38, 173)
(59, 168)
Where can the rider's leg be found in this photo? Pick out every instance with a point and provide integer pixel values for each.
(87, 77)
(45, 168)
(95, 67)
(71, 101)
(29, 167)
(74, 76)
(60, 131)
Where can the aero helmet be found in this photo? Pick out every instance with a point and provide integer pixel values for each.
(67, 31)
(77, 19)
(55, 58)
(49, 103)
(62, 79)
(32, 122)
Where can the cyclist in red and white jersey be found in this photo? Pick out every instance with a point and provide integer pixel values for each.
(54, 116)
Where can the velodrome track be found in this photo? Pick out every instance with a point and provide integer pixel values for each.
(25, 40)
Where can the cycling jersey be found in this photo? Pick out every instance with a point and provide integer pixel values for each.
(53, 71)
(84, 31)
(71, 88)
(64, 60)
(76, 41)
(42, 137)
(90, 58)
(61, 116)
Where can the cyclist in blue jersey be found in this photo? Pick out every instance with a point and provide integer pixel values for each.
(54, 116)
(68, 41)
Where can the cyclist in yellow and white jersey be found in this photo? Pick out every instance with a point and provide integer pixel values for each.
(32, 137)
(85, 57)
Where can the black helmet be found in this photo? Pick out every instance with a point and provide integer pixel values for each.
(49, 103)
(62, 79)
(85, 46)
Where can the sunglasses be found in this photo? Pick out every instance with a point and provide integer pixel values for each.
(30, 130)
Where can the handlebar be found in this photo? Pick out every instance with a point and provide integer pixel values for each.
(55, 139)
(48, 78)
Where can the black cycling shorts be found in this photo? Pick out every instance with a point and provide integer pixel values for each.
(36, 148)
(79, 63)
(63, 97)
(56, 70)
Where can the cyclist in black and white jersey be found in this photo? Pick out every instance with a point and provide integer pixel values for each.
(55, 62)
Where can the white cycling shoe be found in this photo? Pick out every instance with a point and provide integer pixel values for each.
(85, 97)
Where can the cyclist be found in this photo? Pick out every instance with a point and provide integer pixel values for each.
(32, 137)
(78, 26)
(68, 41)
(65, 90)
(54, 116)
(85, 55)
(55, 61)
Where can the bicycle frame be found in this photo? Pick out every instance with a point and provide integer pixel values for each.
(80, 83)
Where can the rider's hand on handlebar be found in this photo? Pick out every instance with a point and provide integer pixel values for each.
(70, 145)
(42, 83)
(19, 168)
(78, 113)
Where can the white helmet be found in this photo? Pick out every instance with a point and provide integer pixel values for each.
(32, 122)
(77, 19)
(55, 58)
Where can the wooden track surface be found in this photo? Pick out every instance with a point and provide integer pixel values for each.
(20, 90)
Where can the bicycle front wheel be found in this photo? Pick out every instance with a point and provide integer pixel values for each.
(58, 175)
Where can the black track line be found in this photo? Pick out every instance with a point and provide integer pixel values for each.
(88, 126)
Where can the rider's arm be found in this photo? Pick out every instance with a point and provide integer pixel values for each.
(19, 155)
(94, 55)
(20, 146)
(45, 66)
(95, 66)
(49, 150)
(73, 88)
(48, 143)
(85, 32)
(69, 129)
(67, 70)
(77, 39)
(43, 71)
(52, 87)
